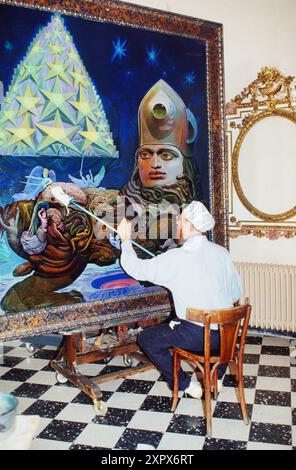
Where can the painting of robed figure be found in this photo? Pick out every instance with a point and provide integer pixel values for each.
(117, 119)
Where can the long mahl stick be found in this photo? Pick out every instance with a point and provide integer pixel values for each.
(65, 200)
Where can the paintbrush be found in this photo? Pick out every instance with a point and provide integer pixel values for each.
(66, 200)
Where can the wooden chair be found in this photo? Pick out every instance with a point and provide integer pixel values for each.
(229, 322)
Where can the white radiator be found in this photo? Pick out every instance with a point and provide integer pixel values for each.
(271, 289)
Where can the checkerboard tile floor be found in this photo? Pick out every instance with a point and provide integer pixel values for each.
(139, 406)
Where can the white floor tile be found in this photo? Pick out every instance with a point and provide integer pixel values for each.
(272, 414)
(150, 420)
(8, 386)
(130, 401)
(13, 343)
(265, 446)
(230, 429)
(32, 363)
(250, 369)
(48, 444)
(60, 393)
(231, 394)
(90, 369)
(162, 389)
(19, 352)
(190, 407)
(279, 361)
(99, 435)
(43, 377)
(44, 422)
(152, 374)
(275, 341)
(175, 441)
(293, 399)
(111, 386)
(294, 436)
(252, 348)
(24, 404)
(77, 412)
(187, 366)
(3, 370)
(293, 372)
(273, 383)
(119, 361)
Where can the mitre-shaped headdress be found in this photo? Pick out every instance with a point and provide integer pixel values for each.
(164, 119)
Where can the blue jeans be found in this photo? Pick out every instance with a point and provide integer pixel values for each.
(155, 341)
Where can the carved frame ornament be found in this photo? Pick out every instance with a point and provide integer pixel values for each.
(271, 94)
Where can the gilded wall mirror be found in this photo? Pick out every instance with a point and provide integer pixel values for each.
(261, 138)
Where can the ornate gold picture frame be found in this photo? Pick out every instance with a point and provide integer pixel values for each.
(271, 95)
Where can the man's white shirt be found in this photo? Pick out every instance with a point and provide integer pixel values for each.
(200, 274)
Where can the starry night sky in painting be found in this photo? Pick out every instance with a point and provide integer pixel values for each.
(123, 63)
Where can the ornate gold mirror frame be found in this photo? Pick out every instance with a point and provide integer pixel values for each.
(271, 95)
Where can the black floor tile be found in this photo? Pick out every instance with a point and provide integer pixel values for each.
(84, 399)
(183, 424)
(115, 417)
(60, 430)
(276, 350)
(109, 369)
(132, 437)
(5, 349)
(224, 444)
(20, 375)
(28, 390)
(10, 361)
(294, 416)
(251, 358)
(293, 385)
(161, 379)
(45, 408)
(254, 340)
(47, 368)
(270, 397)
(136, 386)
(83, 447)
(271, 433)
(45, 354)
(274, 371)
(157, 403)
(229, 410)
(249, 381)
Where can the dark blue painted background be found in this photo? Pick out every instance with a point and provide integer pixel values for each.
(121, 84)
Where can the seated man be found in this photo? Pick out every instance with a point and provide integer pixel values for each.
(200, 275)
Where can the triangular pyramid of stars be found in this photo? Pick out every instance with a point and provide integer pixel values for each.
(52, 107)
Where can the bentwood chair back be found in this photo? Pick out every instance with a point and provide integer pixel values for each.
(231, 350)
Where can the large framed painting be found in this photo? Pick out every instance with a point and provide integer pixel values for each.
(120, 109)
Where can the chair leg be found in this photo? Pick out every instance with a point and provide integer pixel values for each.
(176, 367)
(208, 408)
(215, 383)
(241, 389)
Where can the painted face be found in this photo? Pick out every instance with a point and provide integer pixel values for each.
(159, 165)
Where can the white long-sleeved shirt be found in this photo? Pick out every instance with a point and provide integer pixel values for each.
(200, 274)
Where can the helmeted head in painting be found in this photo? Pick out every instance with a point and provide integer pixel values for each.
(164, 165)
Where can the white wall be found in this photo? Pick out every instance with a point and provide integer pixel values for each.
(257, 33)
